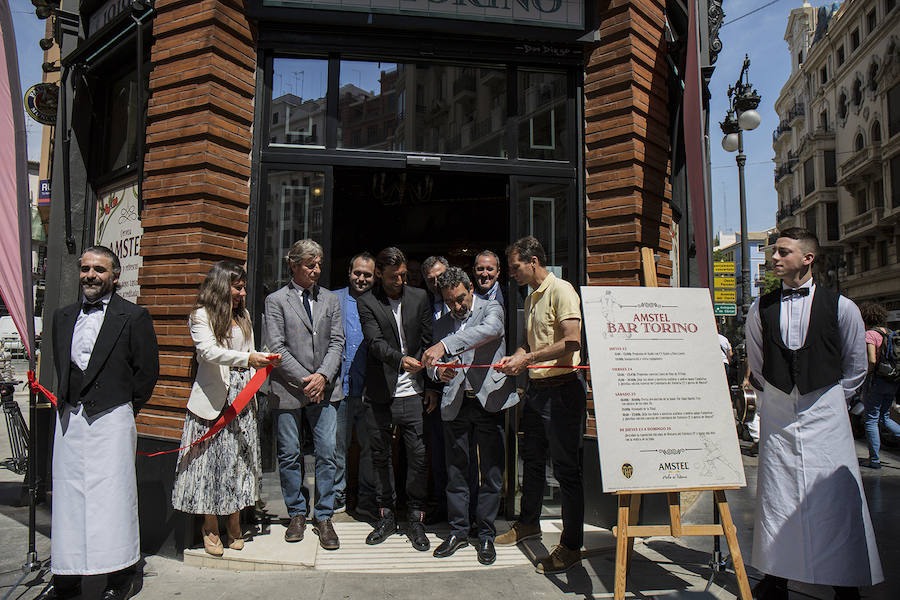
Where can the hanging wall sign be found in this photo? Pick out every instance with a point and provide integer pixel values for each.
(41, 102)
(118, 227)
(664, 416)
(543, 13)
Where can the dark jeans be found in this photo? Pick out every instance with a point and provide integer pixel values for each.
(553, 419)
(434, 443)
(405, 413)
(473, 423)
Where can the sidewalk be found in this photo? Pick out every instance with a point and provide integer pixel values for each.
(661, 565)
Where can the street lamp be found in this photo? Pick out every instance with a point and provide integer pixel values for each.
(741, 116)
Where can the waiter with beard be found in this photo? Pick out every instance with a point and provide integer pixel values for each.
(107, 362)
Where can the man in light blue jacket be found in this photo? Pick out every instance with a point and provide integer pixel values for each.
(473, 402)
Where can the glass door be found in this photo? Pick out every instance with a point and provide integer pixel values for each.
(294, 203)
(545, 208)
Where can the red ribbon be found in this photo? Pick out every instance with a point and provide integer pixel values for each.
(37, 388)
(458, 366)
(240, 403)
(233, 410)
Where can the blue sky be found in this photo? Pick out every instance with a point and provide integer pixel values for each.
(29, 30)
(760, 35)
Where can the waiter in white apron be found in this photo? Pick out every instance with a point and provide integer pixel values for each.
(807, 352)
(107, 362)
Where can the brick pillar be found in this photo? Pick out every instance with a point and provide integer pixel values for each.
(197, 177)
(627, 145)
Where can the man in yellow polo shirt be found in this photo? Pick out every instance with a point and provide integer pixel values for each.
(554, 404)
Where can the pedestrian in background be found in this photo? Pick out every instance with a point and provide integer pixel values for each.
(878, 395)
(220, 475)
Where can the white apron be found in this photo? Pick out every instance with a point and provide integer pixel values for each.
(812, 521)
(94, 523)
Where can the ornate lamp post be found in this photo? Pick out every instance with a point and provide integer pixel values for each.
(741, 116)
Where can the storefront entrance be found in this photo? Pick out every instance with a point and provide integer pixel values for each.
(420, 211)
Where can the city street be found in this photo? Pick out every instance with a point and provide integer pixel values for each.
(662, 565)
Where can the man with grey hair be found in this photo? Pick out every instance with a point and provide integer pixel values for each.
(487, 276)
(472, 405)
(303, 325)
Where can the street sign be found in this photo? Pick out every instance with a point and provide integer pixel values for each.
(724, 309)
(725, 295)
(724, 281)
(723, 267)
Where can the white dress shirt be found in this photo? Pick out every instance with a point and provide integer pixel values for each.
(87, 327)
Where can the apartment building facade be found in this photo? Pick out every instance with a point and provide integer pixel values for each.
(837, 145)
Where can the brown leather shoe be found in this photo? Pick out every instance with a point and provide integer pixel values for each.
(295, 529)
(328, 538)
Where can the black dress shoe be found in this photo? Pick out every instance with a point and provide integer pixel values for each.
(416, 534)
(122, 592)
(449, 546)
(771, 588)
(385, 527)
(486, 553)
(846, 593)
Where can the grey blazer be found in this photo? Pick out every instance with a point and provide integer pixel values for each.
(482, 342)
(305, 347)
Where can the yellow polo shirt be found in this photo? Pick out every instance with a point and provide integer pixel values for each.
(554, 301)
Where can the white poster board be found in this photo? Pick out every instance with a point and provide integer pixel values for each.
(118, 227)
(664, 415)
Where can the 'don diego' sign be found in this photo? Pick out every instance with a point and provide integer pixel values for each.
(542, 13)
(118, 227)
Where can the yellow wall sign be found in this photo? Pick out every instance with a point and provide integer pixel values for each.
(723, 267)
(724, 281)
(725, 295)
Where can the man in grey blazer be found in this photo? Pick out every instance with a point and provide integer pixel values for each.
(303, 325)
(472, 405)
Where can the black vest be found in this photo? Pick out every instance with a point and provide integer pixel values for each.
(817, 363)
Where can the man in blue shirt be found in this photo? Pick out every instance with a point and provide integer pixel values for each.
(353, 374)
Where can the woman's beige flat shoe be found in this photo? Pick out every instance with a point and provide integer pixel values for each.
(212, 545)
(235, 543)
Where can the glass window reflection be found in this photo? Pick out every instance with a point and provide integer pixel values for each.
(293, 212)
(297, 111)
(430, 108)
(543, 214)
(543, 133)
(369, 111)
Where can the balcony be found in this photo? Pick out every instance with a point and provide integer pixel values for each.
(784, 170)
(797, 112)
(783, 128)
(863, 225)
(788, 210)
(862, 166)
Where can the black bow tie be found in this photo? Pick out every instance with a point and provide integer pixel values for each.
(790, 292)
(89, 307)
